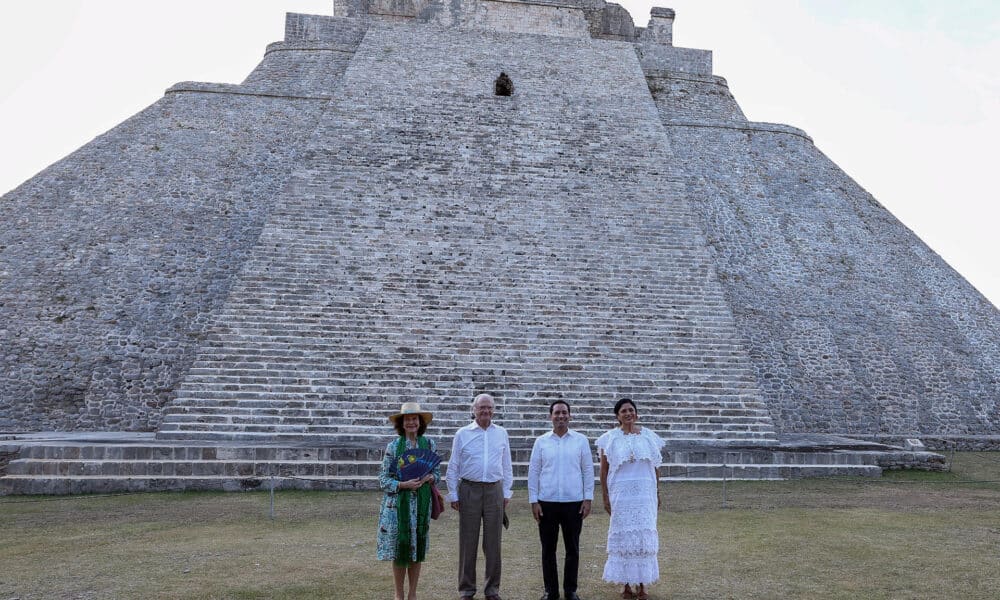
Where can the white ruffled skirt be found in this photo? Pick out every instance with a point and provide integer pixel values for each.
(633, 543)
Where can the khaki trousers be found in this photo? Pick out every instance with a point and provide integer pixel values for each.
(480, 504)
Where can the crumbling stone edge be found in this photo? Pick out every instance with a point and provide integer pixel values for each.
(917, 461)
(8, 452)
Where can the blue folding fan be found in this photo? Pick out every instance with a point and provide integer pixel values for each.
(415, 463)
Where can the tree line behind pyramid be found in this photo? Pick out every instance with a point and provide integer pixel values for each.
(366, 221)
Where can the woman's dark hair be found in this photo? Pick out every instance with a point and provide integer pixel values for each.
(398, 424)
(623, 402)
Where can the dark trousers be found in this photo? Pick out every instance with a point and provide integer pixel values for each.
(556, 515)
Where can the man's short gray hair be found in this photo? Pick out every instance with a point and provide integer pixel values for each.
(482, 397)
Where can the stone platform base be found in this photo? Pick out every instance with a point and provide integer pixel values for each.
(81, 463)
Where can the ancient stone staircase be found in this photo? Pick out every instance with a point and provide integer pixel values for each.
(390, 272)
(70, 466)
(334, 423)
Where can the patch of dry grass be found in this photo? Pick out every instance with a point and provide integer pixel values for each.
(911, 535)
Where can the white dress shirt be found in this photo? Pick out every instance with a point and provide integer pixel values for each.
(479, 454)
(561, 469)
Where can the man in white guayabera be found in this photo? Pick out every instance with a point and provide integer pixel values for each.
(560, 490)
(480, 477)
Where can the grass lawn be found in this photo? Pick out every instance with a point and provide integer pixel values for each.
(909, 535)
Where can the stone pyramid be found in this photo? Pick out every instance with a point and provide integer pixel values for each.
(365, 221)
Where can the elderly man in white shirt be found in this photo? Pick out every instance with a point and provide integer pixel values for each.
(561, 490)
(480, 478)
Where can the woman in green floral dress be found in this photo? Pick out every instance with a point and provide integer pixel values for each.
(404, 517)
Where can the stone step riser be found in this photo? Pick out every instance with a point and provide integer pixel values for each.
(580, 406)
(420, 389)
(279, 370)
(711, 438)
(250, 406)
(425, 396)
(180, 414)
(665, 382)
(316, 469)
(445, 424)
(373, 455)
(318, 356)
(248, 372)
(592, 287)
(579, 319)
(664, 429)
(446, 429)
(305, 359)
(517, 433)
(584, 279)
(544, 342)
(666, 314)
(442, 339)
(441, 423)
(436, 335)
(106, 484)
(573, 376)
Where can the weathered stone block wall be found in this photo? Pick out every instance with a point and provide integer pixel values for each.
(572, 18)
(658, 57)
(540, 18)
(660, 29)
(300, 68)
(114, 255)
(302, 28)
(609, 21)
(854, 325)
(385, 10)
(8, 452)
(112, 258)
(692, 98)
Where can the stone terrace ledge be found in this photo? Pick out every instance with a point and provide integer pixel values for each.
(111, 462)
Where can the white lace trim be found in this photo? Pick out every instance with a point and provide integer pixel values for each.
(635, 544)
(631, 570)
(620, 448)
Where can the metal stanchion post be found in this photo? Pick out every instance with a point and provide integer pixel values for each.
(723, 484)
(271, 514)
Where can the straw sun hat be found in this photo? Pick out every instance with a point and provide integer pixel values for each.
(411, 408)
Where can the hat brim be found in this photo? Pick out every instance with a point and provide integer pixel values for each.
(428, 417)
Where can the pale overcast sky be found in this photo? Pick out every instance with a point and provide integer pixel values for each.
(904, 95)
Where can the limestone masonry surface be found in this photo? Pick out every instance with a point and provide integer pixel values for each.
(363, 222)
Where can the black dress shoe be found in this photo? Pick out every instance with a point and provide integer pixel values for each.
(572, 596)
(548, 596)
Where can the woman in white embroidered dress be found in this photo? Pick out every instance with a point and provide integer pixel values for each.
(630, 458)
